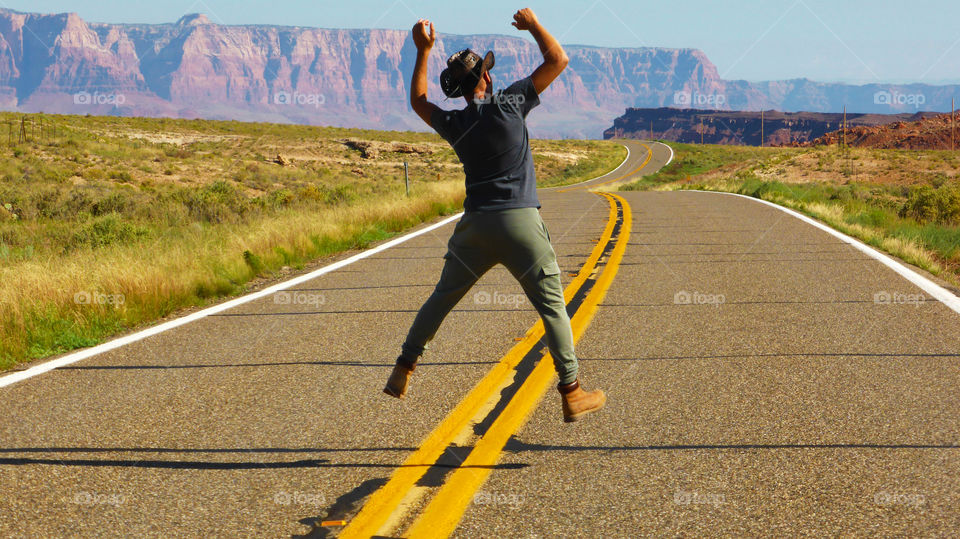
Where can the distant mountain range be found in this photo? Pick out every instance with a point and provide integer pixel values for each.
(358, 78)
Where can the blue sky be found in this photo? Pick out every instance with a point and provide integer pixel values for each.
(856, 41)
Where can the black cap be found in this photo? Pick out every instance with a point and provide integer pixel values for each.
(464, 70)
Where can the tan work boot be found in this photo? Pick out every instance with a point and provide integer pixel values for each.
(399, 378)
(578, 403)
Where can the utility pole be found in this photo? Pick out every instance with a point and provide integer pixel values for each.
(761, 128)
(651, 129)
(953, 122)
(844, 127)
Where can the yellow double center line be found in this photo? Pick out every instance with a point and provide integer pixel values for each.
(444, 512)
(627, 175)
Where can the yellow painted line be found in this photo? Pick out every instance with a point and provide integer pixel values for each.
(382, 503)
(631, 173)
(443, 514)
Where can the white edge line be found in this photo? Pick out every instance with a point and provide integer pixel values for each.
(671, 154)
(925, 284)
(166, 326)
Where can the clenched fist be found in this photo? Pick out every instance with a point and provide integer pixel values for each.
(525, 19)
(421, 38)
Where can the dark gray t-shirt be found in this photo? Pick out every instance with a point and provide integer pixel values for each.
(492, 142)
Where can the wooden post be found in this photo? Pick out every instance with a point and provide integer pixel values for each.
(651, 130)
(761, 128)
(953, 122)
(701, 130)
(406, 177)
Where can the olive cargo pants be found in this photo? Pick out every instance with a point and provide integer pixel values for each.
(518, 239)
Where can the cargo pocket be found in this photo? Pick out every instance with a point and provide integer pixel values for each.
(550, 268)
(549, 289)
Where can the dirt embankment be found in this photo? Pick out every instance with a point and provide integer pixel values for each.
(934, 133)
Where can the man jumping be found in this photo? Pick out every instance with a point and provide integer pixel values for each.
(501, 222)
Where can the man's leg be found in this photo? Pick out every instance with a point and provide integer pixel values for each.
(465, 264)
(458, 276)
(534, 264)
(545, 291)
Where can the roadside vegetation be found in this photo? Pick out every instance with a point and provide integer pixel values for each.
(904, 202)
(107, 223)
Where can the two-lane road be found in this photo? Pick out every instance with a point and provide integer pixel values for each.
(759, 382)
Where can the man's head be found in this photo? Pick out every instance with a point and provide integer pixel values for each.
(467, 74)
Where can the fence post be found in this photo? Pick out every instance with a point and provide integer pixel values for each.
(406, 177)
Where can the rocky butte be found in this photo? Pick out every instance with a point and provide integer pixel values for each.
(743, 128)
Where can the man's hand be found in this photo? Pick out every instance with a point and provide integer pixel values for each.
(525, 19)
(418, 84)
(555, 59)
(421, 38)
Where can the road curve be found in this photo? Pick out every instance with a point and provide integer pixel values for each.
(763, 378)
(644, 157)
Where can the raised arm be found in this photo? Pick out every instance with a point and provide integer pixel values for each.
(555, 59)
(418, 85)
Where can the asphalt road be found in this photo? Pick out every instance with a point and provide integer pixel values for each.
(756, 386)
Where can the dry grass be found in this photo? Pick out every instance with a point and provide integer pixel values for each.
(42, 300)
(862, 165)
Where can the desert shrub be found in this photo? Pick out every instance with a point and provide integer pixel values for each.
(921, 205)
(112, 203)
(280, 198)
(121, 175)
(171, 150)
(948, 205)
(42, 203)
(925, 204)
(78, 202)
(94, 173)
(217, 202)
(107, 230)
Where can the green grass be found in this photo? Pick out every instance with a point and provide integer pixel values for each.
(692, 160)
(596, 158)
